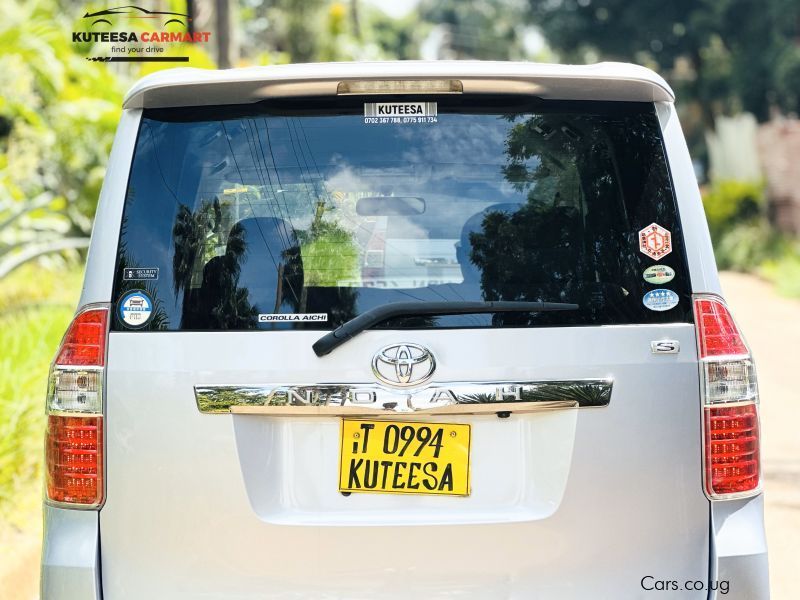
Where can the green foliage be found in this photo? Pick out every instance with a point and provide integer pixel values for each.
(58, 113)
(723, 55)
(744, 239)
(732, 203)
(330, 255)
(323, 30)
(784, 271)
(747, 245)
(35, 308)
(483, 29)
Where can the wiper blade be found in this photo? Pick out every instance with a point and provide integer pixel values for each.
(353, 327)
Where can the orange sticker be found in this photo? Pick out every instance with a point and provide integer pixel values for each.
(655, 241)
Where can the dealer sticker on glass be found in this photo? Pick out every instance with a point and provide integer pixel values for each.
(400, 113)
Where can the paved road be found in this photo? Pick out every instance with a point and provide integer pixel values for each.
(772, 327)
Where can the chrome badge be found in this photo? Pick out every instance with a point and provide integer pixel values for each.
(665, 347)
(403, 365)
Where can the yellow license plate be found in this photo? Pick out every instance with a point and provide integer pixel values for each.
(398, 457)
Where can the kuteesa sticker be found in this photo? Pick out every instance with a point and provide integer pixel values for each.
(660, 300)
(139, 274)
(655, 241)
(292, 317)
(399, 113)
(658, 274)
(135, 308)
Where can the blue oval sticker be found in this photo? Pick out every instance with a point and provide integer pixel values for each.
(660, 300)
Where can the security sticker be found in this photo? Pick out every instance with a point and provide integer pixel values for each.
(389, 113)
(658, 274)
(655, 241)
(660, 300)
(139, 274)
(135, 309)
(292, 317)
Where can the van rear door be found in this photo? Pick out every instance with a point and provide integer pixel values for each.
(547, 453)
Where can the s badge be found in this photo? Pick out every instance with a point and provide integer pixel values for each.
(665, 347)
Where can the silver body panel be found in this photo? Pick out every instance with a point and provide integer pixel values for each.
(220, 506)
(276, 477)
(70, 554)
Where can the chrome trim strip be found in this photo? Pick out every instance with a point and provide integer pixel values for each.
(371, 399)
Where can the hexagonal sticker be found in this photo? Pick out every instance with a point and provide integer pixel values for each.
(655, 241)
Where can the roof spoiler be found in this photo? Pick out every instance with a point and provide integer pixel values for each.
(199, 87)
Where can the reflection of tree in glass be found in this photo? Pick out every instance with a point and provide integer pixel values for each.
(564, 243)
(218, 302)
(331, 265)
(189, 236)
(158, 321)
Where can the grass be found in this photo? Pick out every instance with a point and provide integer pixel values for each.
(784, 273)
(36, 305)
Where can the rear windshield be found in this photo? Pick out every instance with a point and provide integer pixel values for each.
(304, 213)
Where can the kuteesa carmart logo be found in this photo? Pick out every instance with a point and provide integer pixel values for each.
(158, 30)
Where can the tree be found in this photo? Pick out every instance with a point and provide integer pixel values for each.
(484, 29)
(57, 119)
(724, 55)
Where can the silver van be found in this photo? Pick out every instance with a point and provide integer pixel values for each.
(402, 330)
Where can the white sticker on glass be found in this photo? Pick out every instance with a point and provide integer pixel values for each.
(390, 113)
(135, 308)
(655, 241)
(292, 317)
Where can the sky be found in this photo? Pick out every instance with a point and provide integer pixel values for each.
(394, 8)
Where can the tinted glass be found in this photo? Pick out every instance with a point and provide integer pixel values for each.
(306, 207)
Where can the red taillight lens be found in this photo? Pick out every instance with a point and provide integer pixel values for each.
(730, 394)
(717, 332)
(732, 453)
(85, 341)
(75, 459)
(74, 437)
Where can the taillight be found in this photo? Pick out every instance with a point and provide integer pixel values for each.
(730, 397)
(74, 436)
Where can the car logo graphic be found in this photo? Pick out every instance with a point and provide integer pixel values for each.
(136, 12)
(403, 365)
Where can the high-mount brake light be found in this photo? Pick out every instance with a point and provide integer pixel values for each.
(730, 396)
(74, 436)
(399, 86)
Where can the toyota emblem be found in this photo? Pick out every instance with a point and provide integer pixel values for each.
(403, 365)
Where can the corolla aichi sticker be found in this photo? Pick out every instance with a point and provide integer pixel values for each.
(292, 317)
(660, 300)
(135, 309)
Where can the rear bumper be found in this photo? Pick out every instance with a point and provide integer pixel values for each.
(70, 555)
(739, 567)
(739, 549)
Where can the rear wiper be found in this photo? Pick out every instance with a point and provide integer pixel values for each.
(353, 327)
